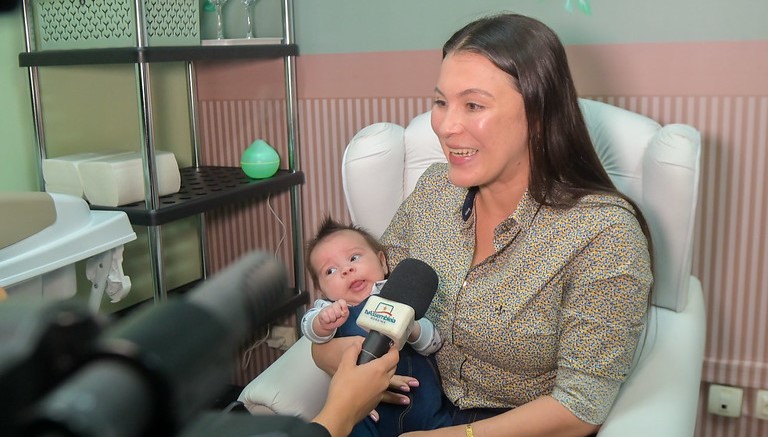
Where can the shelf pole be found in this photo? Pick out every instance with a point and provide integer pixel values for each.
(34, 91)
(292, 116)
(194, 132)
(194, 115)
(146, 129)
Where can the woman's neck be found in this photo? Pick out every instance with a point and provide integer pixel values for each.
(491, 208)
(497, 204)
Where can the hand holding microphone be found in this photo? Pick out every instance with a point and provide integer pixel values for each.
(389, 316)
(355, 390)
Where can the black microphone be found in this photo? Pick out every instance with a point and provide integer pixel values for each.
(388, 316)
(154, 370)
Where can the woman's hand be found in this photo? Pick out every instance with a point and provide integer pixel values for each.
(401, 384)
(355, 390)
(328, 355)
(397, 384)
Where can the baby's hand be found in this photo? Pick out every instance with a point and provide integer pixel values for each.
(333, 316)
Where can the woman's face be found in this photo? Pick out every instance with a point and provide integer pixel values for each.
(479, 116)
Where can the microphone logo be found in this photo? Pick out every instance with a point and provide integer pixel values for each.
(384, 308)
(382, 313)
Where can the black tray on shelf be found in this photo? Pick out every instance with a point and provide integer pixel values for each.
(284, 309)
(205, 188)
(129, 55)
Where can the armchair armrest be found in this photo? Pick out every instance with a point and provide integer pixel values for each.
(291, 386)
(660, 398)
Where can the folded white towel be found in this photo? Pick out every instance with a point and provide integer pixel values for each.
(119, 179)
(61, 174)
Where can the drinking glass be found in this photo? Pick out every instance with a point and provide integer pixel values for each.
(248, 13)
(219, 19)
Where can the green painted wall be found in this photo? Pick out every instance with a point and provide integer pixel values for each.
(343, 26)
(17, 153)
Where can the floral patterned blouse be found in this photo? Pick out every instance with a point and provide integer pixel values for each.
(557, 310)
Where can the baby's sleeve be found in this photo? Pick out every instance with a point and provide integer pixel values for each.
(309, 317)
(429, 340)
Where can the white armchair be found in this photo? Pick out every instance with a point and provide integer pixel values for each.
(656, 166)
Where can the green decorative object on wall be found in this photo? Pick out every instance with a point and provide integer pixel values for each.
(583, 6)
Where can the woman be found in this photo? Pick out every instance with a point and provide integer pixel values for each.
(544, 267)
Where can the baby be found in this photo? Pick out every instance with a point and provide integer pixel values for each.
(347, 265)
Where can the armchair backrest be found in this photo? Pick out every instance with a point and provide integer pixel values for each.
(657, 166)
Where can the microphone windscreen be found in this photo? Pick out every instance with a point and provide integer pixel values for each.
(412, 282)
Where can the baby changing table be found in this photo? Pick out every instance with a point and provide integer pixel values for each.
(45, 234)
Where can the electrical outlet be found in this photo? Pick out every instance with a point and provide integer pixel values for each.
(761, 404)
(281, 337)
(724, 400)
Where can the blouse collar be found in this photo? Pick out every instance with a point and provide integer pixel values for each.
(524, 214)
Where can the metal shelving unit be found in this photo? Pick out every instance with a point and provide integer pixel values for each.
(203, 188)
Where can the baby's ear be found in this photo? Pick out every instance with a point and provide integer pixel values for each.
(383, 261)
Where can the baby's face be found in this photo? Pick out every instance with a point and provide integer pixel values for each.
(347, 267)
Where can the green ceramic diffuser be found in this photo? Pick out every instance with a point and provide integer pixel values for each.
(260, 160)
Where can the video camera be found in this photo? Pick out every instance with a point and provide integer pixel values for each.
(67, 372)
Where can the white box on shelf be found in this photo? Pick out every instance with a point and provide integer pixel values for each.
(62, 175)
(119, 179)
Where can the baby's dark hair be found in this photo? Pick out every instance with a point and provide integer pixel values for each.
(329, 227)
